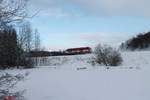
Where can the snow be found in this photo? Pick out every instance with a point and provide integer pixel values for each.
(130, 81)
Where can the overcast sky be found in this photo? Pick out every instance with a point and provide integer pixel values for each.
(74, 23)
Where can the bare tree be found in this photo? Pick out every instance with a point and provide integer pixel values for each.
(37, 41)
(37, 45)
(28, 41)
(8, 82)
(11, 11)
(25, 43)
(25, 37)
(107, 55)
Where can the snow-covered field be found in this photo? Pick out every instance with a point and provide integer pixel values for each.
(130, 81)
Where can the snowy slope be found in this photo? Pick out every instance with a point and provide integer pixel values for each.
(132, 60)
(65, 61)
(127, 82)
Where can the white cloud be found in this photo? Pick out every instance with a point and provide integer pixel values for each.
(116, 7)
(56, 8)
(96, 7)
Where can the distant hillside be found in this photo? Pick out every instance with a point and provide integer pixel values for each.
(139, 42)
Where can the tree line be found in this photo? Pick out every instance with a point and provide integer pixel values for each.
(15, 47)
(17, 38)
(139, 42)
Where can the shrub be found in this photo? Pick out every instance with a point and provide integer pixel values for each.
(107, 55)
(8, 84)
